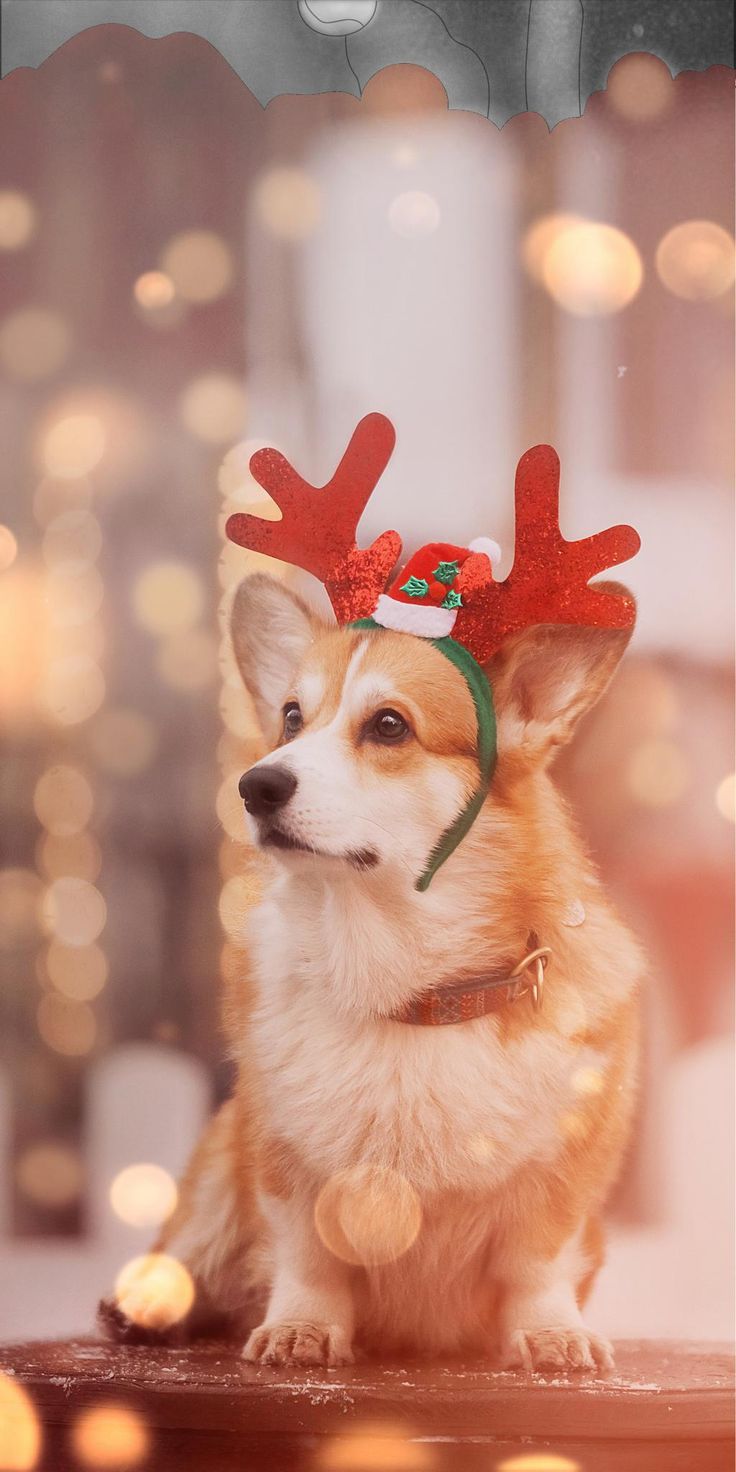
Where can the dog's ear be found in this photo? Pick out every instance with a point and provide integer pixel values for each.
(271, 631)
(546, 677)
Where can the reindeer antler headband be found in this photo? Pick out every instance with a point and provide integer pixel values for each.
(444, 593)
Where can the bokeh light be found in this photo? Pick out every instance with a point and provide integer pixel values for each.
(213, 408)
(143, 1195)
(237, 896)
(20, 896)
(538, 1462)
(51, 1175)
(73, 446)
(376, 1446)
(592, 269)
(481, 1148)
(367, 1215)
(539, 238)
(78, 854)
(34, 343)
(72, 541)
(123, 741)
(238, 486)
(726, 797)
(199, 264)
(78, 972)
(695, 260)
(18, 219)
(52, 498)
(588, 1081)
(639, 87)
(573, 1125)
(20, 1432)
(657, 774)
(72, 690)
(414, 215)
(73, 595)
(154, 1291)
(73, 911)
(154, 290)
(8, 548)
(188, 661)
(67, 1027)
(168, 597)
(63, 800)
(288, 203)
(110, 1436)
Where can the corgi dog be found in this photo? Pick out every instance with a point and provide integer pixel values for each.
(375, 1185)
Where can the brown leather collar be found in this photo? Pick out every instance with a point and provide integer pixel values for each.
(463, 1001)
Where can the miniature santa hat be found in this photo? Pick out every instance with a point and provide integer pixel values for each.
(425, 597)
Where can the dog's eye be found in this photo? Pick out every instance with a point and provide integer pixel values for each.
(388, 725)
(293, 719)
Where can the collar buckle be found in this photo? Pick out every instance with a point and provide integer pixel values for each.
(535, 961)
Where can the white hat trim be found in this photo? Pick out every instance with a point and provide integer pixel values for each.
(425, 619)
(487, 545)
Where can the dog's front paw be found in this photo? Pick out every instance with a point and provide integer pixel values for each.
(557, 1349)
(298, 1344)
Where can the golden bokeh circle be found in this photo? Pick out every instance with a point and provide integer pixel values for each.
(20, 1431)
(73, 911)
(168, 597)
(155, 1290)
(199, 264)
(657, 773)
(51, 1174)
(20, 896)
(63, 800)
(18, 219)
(110, 1436)
(77, 855)
(592, 269)
(73, 446)
(288, 203)
(695, 260)
(68, 1027)
(368, 1215)
(78, 972)
(34, 344)
(8, 548)
(154, 290)
(143, 1195)
(726, 797)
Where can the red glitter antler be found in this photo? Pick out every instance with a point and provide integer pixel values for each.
(319, 523)
(548, 582)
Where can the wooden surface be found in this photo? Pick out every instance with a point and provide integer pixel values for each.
(666, 1406)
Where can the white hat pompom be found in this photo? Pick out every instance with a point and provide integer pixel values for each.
(487, 545)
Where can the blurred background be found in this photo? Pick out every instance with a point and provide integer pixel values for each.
(187, 276)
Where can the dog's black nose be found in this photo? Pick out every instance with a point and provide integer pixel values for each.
(266, 789)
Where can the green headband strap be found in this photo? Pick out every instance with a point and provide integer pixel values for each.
(480, 690)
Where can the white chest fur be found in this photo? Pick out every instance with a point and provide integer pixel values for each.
(450, 1108)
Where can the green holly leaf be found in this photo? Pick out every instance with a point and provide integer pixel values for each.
(446, 572)
(416, 587)
(451, 600)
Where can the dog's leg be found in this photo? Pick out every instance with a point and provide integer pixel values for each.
(541, 1323)
(310, 1315)
(213, 1233)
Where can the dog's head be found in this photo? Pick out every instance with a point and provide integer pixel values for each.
(374, 733)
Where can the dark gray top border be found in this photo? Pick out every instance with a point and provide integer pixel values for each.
(493, 57)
